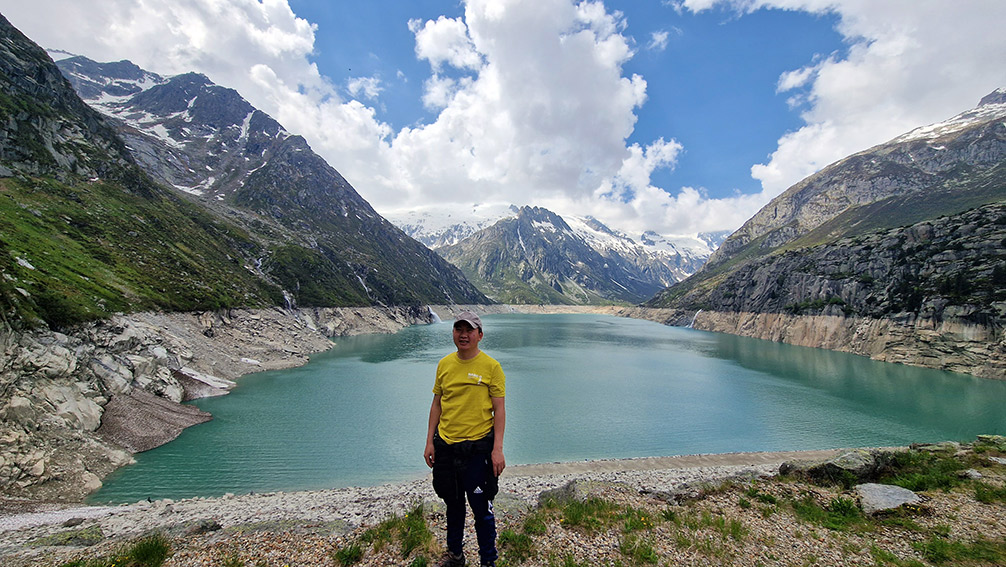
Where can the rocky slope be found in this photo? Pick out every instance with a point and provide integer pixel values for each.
(898, 253)
(77, 404)
(736, 509)
(121, 297)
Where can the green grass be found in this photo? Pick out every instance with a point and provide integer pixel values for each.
(516, 547)
(590, 514)
(150, 551)
(77, 251)
(989, 494)
(638, 550)
(841, 514)
(348, 555)
(410, 532)
(920, 471)
(942, 551)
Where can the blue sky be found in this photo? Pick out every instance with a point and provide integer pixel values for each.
(677, 116)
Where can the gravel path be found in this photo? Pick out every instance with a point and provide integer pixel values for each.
(344, 510)
(741, 523)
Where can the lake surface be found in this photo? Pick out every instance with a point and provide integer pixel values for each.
(578, 387)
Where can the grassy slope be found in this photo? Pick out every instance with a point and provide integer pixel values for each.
(78, 251)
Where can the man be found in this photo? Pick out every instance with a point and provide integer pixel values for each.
(464, 442)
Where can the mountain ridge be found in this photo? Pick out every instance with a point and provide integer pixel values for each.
(323, 243)
(898, 251)
(650, 260)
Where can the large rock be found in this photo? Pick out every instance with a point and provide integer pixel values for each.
(858, 465)
(70, 403)
(874, 498)
(20, 410)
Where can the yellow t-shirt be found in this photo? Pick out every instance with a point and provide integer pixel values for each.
(466, 388)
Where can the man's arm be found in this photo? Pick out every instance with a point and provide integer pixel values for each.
(499, 426)
(435, 411)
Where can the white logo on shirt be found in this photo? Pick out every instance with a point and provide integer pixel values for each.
(473, 376)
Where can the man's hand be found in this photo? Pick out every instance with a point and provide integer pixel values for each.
(499, 463)
(428, 455)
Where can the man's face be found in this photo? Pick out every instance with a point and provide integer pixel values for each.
(466, 338)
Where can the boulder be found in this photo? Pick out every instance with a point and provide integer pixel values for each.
(874, 498)
(20, 410)
(115, 376)
(72, 406)
(199, 385)
(575, 490)
(859, 464)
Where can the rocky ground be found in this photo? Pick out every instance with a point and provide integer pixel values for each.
(699, 510)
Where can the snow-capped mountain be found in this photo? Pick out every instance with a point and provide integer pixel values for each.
(659, 259)
(185, 131)
(326, 245)
(437, 227)
(537, 256)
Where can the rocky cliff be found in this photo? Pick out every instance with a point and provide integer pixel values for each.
(320, 241)
(77, 405)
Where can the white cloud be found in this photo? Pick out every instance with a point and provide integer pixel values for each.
(534, 106)
(909, 63)
(369, 87)
(445, 41)
(545, 115)
(658, 40)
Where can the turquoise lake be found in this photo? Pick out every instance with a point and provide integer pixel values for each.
(578, 387)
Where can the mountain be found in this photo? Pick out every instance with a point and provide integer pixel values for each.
(942, 168)
(656, 258)
(84, 232)
(322, 243)
(439, 227)
(539, 257)
(901, 245)
(652, 258)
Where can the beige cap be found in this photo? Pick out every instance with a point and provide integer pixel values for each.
(470, 318)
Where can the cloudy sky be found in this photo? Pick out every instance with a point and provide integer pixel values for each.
(677, 116)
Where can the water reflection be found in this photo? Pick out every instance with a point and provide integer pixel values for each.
(899, 392)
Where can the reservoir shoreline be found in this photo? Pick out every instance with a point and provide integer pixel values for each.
(61, 440)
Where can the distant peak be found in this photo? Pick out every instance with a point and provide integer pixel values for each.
(997, 96)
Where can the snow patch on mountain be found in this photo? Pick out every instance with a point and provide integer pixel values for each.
(437, 227)
(989, 108)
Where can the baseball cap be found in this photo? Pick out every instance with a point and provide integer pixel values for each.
(470, 318)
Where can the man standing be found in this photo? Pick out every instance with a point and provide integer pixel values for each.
(464, 442)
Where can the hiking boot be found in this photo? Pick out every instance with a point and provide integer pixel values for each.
(451, 560)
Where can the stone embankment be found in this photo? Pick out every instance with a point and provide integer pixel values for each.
(951, 344)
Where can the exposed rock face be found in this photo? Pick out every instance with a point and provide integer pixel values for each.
(324, 244)
(950, 344)
(959, 155)
(74, 406)
(931, 294)
(896, 253)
